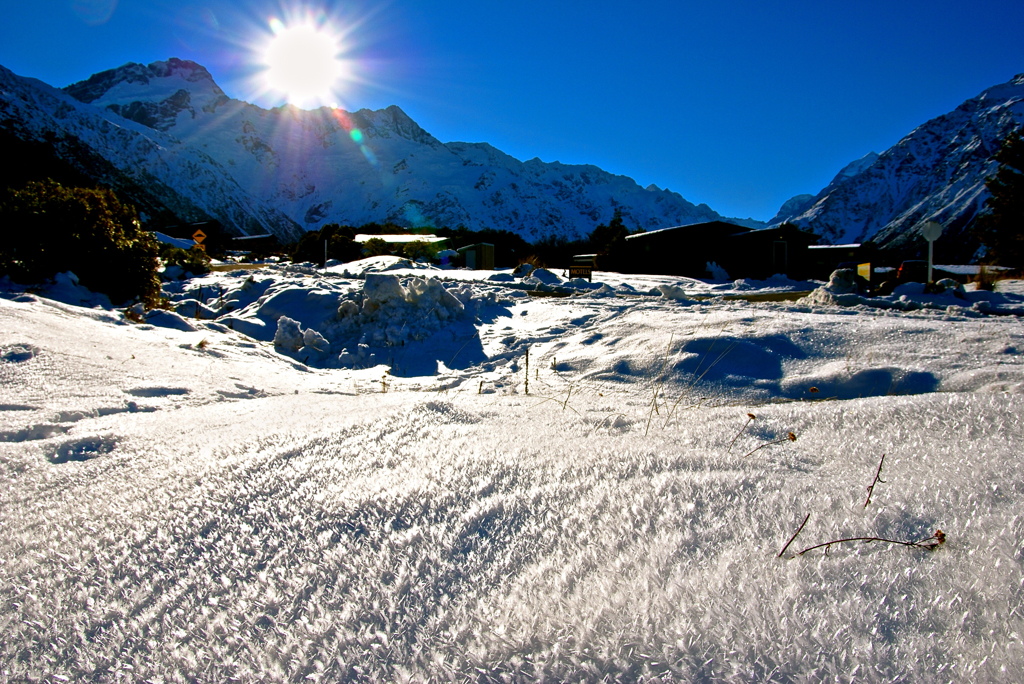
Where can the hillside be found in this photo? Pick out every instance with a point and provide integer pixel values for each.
(937, 172)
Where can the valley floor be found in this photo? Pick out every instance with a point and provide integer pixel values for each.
(184, 502)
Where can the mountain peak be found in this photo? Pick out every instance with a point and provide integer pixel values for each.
(153, 95)
(134, 74)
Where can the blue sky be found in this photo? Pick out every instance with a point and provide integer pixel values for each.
(739, 105)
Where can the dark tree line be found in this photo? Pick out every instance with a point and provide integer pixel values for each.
(50, 228)
(1001, 227)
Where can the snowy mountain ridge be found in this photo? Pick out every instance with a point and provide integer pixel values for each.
(160, 174)
(329, 165)
(937, 172)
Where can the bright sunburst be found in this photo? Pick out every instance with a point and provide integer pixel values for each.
(304, 62)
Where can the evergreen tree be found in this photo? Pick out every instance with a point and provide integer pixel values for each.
(1001, 227)
(609, 239)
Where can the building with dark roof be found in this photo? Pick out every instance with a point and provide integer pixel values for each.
(693, 250)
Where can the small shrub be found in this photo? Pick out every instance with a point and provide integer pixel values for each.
(49, 229)
(419, 250)
(376, 247)
(194, 261)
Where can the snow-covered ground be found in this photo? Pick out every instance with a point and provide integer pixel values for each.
(391, 493)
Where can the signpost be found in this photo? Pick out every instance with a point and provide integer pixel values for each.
(199, 236)
(931, 232)
(580, 271)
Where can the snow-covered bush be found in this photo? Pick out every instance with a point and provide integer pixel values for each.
(289, 334)
(672, 292)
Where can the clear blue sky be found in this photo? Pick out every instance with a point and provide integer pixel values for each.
(739, 105)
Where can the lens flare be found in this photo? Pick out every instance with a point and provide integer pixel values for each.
(94, 12)
(355, 134)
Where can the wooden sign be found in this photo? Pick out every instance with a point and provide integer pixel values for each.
(581, 272)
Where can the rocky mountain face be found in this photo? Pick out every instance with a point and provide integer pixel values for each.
(936, 173)
(168, 180)
(332, 166)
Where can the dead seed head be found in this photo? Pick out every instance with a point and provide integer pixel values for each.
(792, 437)
(813, 390)
(940, 536)
(751, 416)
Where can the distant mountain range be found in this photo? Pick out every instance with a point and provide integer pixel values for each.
(936, 173)
(167, 138)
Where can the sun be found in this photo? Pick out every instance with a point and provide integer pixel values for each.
(305, 63)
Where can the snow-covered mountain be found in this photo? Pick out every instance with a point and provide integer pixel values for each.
(329, 165)
(168, 179)
(798, 204)
(936, 173)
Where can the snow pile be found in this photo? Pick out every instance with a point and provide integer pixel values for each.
(332, 326)
(841, 290)
(673, 292)
(944, 295)
(64, 287)
(393, 315)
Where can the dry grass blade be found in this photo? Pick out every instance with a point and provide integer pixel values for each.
(791, 437)
(658, 382)
(750, 417)
(698, 378)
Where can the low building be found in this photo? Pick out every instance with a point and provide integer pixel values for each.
(824, 259)
(694, 251)
(363, 238)
(760, 254)
(478, 257)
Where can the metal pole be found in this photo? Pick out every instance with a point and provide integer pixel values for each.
(931, 245)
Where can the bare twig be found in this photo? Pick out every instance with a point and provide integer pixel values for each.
(567, 395)
(750, 417)
(798, 531)
(931, 543)
(788, 438)
(878, 480)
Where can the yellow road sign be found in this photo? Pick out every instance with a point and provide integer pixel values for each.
(198, 236)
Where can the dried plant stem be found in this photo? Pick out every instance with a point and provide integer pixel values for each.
(931, 543)
(567, 395)
(798, 531)
(750, 417)
(878, 480)
(527, 375)
(788, 438)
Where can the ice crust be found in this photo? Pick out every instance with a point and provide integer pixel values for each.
(201, 504)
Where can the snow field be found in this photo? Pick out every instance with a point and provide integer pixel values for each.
(180, 511)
